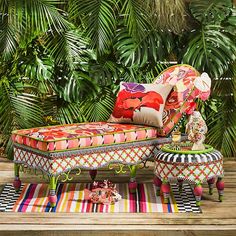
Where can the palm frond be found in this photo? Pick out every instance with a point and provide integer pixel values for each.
(221, 121)
(23, 20)
(18, 110)
(135, 18)
(68, 113)
(210, 50)
(99, 19)
(75, 87)
(210, 12)
(154, 46)
(100, 108)
(8, 38)
(68, 47)
(42, 15)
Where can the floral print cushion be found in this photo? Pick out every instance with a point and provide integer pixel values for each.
(181, 100)
(140, 103)
(83, 135)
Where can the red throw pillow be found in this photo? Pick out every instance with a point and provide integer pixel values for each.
(140, 104)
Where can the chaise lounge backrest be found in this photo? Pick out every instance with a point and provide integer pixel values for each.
(178, 101)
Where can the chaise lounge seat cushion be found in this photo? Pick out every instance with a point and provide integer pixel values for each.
(82, 135)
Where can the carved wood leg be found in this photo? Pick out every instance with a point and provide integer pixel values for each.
(17, 181)
(93, 174)
(165, 189)
(198, 190)
(157, 182)
(133, 184)
(220, 187)
(211, 185)
(52, 191)
(180, 183)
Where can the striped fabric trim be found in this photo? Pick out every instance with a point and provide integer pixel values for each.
(32, 198)
(188, 158)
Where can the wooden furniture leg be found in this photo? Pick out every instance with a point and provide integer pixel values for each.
(211, 185)
(165, 189)
(180, 183)
(52, 191)
(93, 174)
(220, 185)
(157, 182)
(17, 181)
(198, 190)
(133, 184)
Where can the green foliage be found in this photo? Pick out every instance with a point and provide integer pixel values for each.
(170, 16)
(62, 61)
(221, 122)
(210, 50)
(154, 46)
(210, 12)
(23, 20)
(135, 18)
(99, 108)
(18, 109)
(99, 21)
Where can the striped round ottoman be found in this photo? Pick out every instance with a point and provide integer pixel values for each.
(186, 165)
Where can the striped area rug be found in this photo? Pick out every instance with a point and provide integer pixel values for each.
(33, 198)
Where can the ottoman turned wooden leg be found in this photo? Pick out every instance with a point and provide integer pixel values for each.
(93, 174)
(180, 183)
(211, 185)
(133, 184)
(165, 189)
(198, 190)
(17, 181)
(157, 182)
(220, 185)
(52, 191)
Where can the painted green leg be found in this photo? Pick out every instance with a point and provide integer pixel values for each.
(165, 189)
(133, 184)
(220, 187)
(17, 181)
(52, 191)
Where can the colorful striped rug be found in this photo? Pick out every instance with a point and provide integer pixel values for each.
(33, 198)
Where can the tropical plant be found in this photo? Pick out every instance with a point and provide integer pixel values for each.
(62, 61)
(212, 48)
(168, 15)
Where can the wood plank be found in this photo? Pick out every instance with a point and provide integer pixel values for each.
(216, 219)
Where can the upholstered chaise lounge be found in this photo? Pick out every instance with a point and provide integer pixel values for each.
(56, 150)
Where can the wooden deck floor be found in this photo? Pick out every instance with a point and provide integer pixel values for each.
(216, 219)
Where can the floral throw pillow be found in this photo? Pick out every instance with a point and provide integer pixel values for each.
(140, 104)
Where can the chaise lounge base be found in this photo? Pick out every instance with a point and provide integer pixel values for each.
(58, 163)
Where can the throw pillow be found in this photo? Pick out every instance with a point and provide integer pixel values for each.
(140, 104)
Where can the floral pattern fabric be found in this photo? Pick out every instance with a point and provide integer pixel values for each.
(75, 136)
(140, 103)
(188, 85)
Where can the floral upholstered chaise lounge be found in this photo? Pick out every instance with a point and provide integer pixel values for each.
(56, 150)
